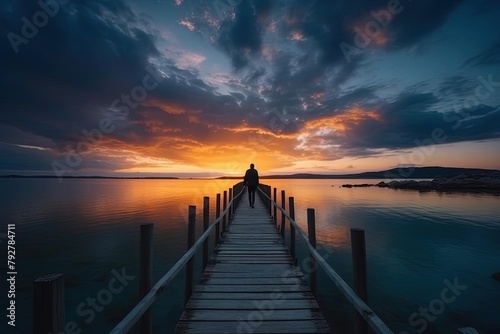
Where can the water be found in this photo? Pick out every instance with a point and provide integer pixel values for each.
(417, 245)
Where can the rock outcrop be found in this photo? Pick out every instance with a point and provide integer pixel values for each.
(489, 182)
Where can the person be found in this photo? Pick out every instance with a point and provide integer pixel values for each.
(251, 181)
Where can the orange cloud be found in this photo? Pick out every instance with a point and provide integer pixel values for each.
(318, 136)
(182, 138)
(341, 122)
(297, 36)
(259, 131)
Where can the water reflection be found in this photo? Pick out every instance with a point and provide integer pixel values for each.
(86, 228)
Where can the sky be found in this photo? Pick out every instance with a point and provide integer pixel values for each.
(204, 88)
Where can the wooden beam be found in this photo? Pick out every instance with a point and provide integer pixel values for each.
(283, 197)
(311, 231)
(190, 243)
(217, 215)
(145, 275)
(48, 304)
(360, 277)
(206, 222)
(292, 228)
(224, 213)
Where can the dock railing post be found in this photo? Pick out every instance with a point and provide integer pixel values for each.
(145, 275)
(275, 209)
(217, 215)
(311, 231)
(190, 243)
(230, 211)
(292, 228)
(224, 207)
(270, 207)
(236, 189)
(283, 214)
(360, 275)
(206, 222)
(48, 304)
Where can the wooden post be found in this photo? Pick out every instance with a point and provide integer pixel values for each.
(217, 215)
(230, 211)
(206, 218)
(282, 214)
(235, 192)
(360, 275)
(224, 207)
(275, 210)
(190, 243)
(292, 228)
(48, 304)
(145, 275)
(268, 192)
(311, 231)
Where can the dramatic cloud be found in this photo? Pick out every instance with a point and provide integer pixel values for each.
(124, 86)
(489, 57)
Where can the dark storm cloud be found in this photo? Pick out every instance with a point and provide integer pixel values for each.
(24, 158)
(329, 23)
(488, 57)
(457, 85)
(88, 53)
(241, 38)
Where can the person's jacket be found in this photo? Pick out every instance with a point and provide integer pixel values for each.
(252, 177)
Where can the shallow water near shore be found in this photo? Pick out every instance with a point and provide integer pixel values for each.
(417, 244)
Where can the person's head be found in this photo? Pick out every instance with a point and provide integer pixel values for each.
(252, 166)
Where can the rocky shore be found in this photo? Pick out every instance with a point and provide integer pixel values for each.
(487, 182)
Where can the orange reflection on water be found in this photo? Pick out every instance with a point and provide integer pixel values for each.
(337, 236)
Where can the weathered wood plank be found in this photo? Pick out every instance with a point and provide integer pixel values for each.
(251, 274)
(253, 326)
(252, 304)
(253, 252)
(228, 315)
(252, 280)
(245, 268)
(251, 288)
(252, 295)
(250, 259)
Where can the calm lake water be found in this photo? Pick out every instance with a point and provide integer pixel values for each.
(417, 245)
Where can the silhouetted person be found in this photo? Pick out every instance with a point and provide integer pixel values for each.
(251, 181)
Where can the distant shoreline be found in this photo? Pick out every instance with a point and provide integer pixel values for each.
(476, 183)
(390, 174)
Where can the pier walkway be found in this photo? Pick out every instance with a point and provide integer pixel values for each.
(251, 284)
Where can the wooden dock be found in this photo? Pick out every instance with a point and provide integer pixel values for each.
(251, 284)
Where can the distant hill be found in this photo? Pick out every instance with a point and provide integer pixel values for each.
(395, 173)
